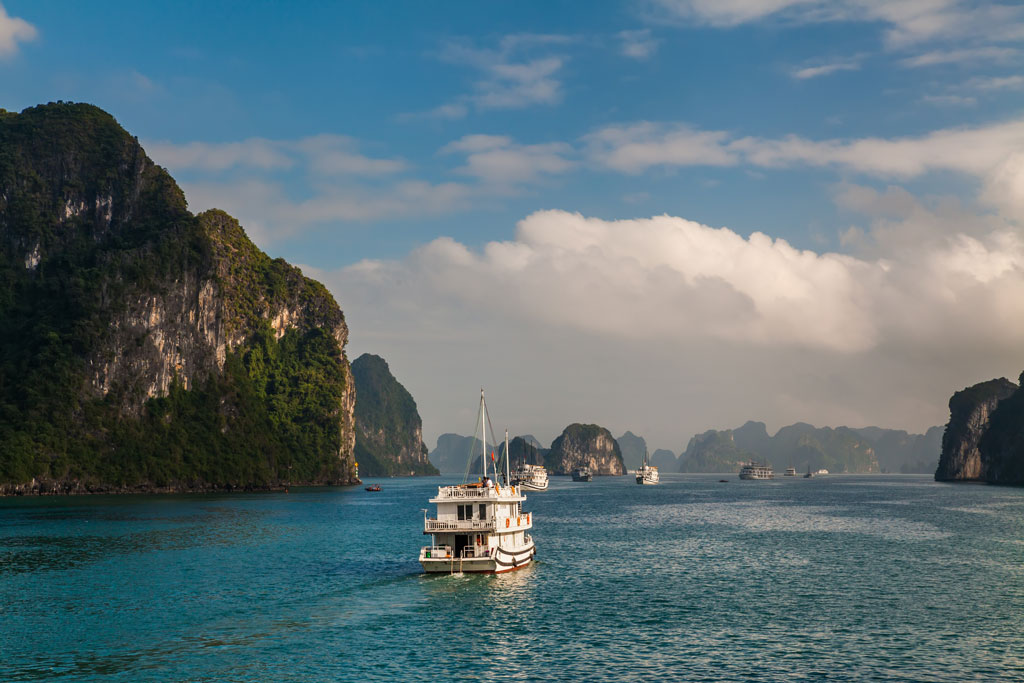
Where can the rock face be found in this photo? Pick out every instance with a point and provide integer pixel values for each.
(632, 447)
(665, 460)
(454, 452)
(898, 451)
(522, 449)
(389, 431)
(982, 441)
(714, 451)
(800, 445)
(143, 347)
(585, 445)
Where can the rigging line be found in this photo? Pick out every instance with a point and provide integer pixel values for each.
(494, 439)
(472, 447)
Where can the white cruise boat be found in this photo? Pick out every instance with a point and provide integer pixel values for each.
(531, 477)
(647, 474)
(479, 527)
(754, 471)
(790, 471)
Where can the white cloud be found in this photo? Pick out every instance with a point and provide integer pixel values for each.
(727, 13)
(906, 22)
(636, 148)
(514, 76)
(996, 83)
(961, 56)
(825, 69)
(515, 86)
(270, 213)
(498, 160)
(716, 327)
(205, 156)
(450, 112)
(638, 44)
(14, 31)
(322, 154)
(950, 100)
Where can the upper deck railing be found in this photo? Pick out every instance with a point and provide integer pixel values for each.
(476, 492)
(435, 525)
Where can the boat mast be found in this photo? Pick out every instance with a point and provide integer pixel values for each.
(508, 468)
(483, 431)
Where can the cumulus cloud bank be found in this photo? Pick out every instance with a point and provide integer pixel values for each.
(665, 297)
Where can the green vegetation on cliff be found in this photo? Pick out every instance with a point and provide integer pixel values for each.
(389, 431)
(136, 346)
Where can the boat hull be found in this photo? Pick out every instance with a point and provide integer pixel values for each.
(532, 487)
(502, 561)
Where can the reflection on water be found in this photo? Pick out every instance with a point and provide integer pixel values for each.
(838, 578)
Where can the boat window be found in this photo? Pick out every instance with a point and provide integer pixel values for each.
(462, 512)
(483, 511)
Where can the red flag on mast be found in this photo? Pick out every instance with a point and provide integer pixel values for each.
(492, 456)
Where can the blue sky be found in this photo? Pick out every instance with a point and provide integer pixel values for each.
(407, 152)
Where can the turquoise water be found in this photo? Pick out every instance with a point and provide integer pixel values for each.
(839, 578)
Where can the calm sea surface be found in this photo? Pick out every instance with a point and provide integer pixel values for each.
(841, 578)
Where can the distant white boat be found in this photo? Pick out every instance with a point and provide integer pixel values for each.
(822, 471)
(647, 474)
(531, 477)
(790, 472)
(754, 471)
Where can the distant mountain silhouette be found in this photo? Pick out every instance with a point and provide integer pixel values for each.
(866, 449)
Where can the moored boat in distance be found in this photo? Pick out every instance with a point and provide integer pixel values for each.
(479, 527)
(531, 477)
(582, 474)
(753, 470)
(647, 474)
(790, 472)
(809, 473)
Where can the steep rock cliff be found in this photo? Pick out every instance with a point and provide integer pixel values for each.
(665, 460)
(971, 412)
(898, 451)
(143, 347)
(522, 449)
(632, 447)
(585, 445)
(453, 454)
(713, 451)
(801, 445)
(389, 431)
